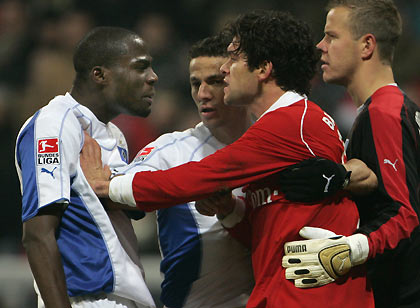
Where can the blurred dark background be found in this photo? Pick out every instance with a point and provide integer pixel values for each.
(37, 38)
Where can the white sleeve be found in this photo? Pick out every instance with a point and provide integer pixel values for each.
(121, 191)
(48, 152)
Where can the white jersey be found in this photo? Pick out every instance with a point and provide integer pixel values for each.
(47, 162)
(203, 265)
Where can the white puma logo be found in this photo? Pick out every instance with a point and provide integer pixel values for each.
(342, 263)
(328, 181)
(387, 161)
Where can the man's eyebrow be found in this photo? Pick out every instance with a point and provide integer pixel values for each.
(215, 77)
(142, 60)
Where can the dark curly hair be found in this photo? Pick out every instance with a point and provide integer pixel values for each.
(213, 46)
(281, 39)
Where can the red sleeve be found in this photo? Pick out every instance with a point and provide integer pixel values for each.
(389, 148)
(278, 139)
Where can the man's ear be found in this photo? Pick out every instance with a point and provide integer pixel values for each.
(100, 75)
(265, 70)
(368, 42)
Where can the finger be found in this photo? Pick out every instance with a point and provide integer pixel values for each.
(299, 260)
(312, 282)
(205, 212)
(315, 233)
(312, 271)
(91, 152)
(107, 172)
(91, 147)
(204, 209)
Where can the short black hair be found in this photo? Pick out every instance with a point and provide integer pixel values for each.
(213, 46)
(279, 38)
(102, 46)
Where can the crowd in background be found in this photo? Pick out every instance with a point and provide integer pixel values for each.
(37, 38)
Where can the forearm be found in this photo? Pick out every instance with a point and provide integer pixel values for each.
(45, 262)
(362, 179)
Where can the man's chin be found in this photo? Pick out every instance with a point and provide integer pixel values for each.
(144, 113)
(332, 80)
(227, 100)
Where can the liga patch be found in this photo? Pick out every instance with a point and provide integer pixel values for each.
(48, 151)
(143, 154)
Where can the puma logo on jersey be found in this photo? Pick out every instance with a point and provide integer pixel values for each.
(49, 172)
(387, 161)
(328, 181)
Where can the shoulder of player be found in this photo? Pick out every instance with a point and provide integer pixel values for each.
(176, 139)
(387, 100)
(168, 145)
(294, 113)
(57, 110)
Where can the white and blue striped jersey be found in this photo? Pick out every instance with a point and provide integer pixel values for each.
(203, 265)
(47, 162)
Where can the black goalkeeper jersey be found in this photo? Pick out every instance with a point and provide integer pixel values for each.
(386, 137)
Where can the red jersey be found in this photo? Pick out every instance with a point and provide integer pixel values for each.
(291, 130)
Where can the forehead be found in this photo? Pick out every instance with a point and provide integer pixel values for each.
(203, 67)
(137, 49)
(337, 19)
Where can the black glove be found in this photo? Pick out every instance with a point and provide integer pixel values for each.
(135, 215)
(312, 180)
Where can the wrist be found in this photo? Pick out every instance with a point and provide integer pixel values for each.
(235, 216)
(101, 188)
(120, 189)
(359, 248)
(347, 177)
(228, 207)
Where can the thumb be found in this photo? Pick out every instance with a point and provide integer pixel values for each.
(311, 233)
(107, 172)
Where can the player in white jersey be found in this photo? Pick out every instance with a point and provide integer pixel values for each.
(80, 254)
(202, 265)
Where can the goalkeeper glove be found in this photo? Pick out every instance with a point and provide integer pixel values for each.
(316, 262)
(313, 180)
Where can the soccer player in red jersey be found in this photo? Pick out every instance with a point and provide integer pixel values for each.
(272, 60)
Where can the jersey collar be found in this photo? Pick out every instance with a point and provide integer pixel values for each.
(287, 99)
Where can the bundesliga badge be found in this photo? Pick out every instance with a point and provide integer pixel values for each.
(143, 154)
(48, 151)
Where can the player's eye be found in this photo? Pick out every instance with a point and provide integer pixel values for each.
(195, 84)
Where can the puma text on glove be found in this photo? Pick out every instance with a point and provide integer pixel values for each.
(313, 263)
